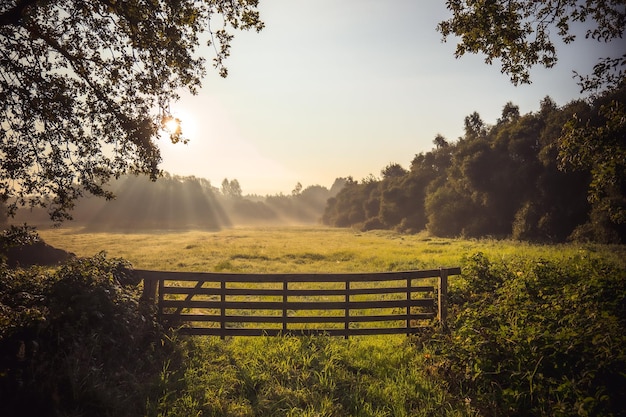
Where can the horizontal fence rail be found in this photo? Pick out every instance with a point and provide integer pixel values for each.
(350, 304)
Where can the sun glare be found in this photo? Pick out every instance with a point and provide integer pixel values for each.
(172, 125)
(178, 126)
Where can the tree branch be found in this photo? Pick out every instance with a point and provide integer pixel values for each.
(14, 15)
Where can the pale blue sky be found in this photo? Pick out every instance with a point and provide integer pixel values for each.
(336, 88)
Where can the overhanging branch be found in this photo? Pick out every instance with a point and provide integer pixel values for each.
(13, 16)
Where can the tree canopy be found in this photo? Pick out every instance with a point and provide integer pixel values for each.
(86, 87)
(522, 33)
(507, 179)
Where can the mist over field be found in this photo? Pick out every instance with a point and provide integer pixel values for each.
(185, 203)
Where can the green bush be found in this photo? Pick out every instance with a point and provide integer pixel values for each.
(77, 341)
(537, 337)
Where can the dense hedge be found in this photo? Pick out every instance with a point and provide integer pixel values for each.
(77, 341)
(539, 337)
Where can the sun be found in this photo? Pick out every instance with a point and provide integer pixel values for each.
(178, 126)
(171, 125)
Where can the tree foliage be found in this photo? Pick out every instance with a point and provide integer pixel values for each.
(598, 143)
(536, 337)
(76, 341)
(507, 179)
(520, 34)
(86, 86)
(231, 188)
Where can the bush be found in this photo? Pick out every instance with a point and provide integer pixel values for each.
(77, 341)
(538, 338)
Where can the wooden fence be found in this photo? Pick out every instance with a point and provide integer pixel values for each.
(230, 304)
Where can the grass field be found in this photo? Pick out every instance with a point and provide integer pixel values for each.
(535, 329)
(299, 249)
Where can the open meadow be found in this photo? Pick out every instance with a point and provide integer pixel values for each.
(533, 330)
(305, 249)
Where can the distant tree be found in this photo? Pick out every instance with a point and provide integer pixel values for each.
(347, 207)
(338, 184)
(312, 201)
(296, 190)
(393, 171)
(440, 141)
(225, 187)
(510, 112)
(474, 126)
(393, 205)
(231, 188)
(86, 87)
(247, 211)
(447, 210)
(173, 202)
(436, 161)
(426, 168)
(371, 206)
(520, 33)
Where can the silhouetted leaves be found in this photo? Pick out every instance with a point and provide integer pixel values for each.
(520, 34)
(85, 87)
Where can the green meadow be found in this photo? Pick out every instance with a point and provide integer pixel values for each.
(302, 249)
(534, 330)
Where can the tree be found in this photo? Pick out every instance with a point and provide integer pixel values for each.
(393, 171)
(86, 87)
(510, 112)
(520, 33)
(296, 190)
(231, 188)
(474, 126)
(598, 143)
(440, 141)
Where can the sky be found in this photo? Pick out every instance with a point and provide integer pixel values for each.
(335, 88)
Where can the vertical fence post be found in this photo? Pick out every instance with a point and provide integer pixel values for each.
(346, 325)
(149, 288)
(409, 283)
(443, 296)
(222, 309)
(160, 305)
(285, 312)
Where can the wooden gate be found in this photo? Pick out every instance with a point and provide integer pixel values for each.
(230, 304)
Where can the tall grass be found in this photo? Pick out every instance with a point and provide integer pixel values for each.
(534, 329)
(306, 376)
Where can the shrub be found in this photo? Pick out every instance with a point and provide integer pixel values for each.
(77, 341)
(538, 337)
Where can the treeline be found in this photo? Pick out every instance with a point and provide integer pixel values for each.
(174, 202)
(504, 180)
